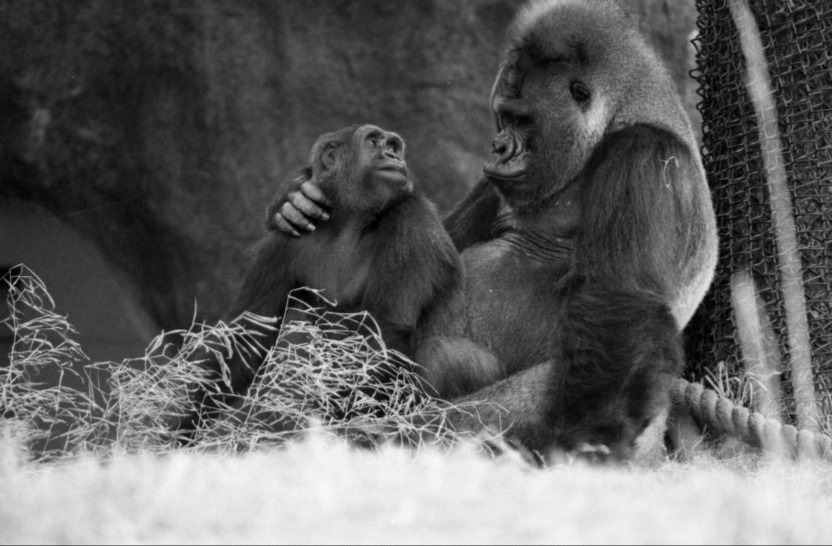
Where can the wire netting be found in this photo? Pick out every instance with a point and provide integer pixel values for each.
(797, 43)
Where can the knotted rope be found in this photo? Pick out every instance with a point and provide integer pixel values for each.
(721, 416)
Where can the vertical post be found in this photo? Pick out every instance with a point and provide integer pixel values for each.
(758, 83)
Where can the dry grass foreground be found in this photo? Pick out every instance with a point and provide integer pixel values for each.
(89, 461)
(322, 491)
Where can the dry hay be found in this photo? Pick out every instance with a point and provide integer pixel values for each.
(332, 374)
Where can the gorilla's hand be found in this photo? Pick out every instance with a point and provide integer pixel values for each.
(295, 211)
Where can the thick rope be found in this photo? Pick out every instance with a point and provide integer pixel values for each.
(721, 416)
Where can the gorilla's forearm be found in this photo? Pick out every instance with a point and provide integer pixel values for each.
(472, 219)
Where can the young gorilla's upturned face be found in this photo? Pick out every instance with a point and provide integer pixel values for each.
(378, 162)
(361, 167)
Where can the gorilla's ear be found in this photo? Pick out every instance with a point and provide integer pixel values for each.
(330, 156)
(640, 190)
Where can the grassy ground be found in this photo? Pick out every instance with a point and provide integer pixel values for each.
(138, 488)
(322, 491)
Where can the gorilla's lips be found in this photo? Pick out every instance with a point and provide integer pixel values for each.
(393, 171)
(505, 172)
(509, 157)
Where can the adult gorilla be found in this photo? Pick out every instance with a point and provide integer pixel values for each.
(587, 246)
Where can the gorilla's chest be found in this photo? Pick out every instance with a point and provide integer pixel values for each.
(339, 267)
(511, 301)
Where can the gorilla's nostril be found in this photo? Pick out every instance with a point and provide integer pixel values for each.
(504, 146)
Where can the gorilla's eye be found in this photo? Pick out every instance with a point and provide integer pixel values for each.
(580, 93)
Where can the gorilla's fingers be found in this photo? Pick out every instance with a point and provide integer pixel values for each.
(281, 224)
(309, 202)
(313, 192)
(295, 217)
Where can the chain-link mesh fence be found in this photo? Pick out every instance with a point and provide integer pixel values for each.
(743, 156)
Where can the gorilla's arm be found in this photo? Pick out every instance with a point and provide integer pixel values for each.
(620, 352)
(472, 220)
(302, 206)
(414, 265)
(646, 218)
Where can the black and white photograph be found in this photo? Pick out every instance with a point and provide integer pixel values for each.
(416, 272)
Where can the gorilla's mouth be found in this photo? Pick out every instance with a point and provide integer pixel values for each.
(504, 174)
(392, 168)
(509, 157)
(392, 174)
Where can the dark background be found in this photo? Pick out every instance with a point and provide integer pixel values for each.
(140, 141)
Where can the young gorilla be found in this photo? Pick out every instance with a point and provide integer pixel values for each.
(587, 246)
(383, 250)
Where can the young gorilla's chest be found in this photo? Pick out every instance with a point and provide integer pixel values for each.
(339, 266)
(511, 302)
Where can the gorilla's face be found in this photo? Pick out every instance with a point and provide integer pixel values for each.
(550, 113)
(362, 168)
